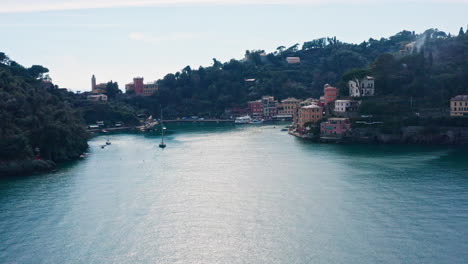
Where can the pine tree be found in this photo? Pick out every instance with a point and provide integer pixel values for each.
(461, 33)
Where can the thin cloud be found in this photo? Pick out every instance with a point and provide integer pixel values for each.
(26, 25)
(19, 6)
(154, 39)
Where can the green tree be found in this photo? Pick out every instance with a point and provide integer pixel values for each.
(112, 89)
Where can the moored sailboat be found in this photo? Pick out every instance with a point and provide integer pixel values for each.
(163, 128)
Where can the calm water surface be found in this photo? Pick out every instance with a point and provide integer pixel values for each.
(224, 194)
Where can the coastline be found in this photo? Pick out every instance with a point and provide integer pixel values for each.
(411, 135)
(25, 167)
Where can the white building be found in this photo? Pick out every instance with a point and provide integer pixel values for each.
(293, 60)
(362, 87)
(343, 106)
(97, 97)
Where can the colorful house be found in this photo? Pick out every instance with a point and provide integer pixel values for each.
(309, 114)
(255, 108)
(335, 127)
(330, 94)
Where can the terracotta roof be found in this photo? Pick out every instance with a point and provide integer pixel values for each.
(290, 99)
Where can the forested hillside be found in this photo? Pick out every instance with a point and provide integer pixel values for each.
(432, 64)
(34, 119)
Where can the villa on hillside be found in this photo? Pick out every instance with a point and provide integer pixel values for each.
(346, 106)
(293, 60)
(140, 88)
(97, 97)
(361, 88)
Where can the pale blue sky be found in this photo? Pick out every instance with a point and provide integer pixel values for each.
(119, 39)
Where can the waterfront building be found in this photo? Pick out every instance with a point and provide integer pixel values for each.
(97, 88)
(346, 106)
(336, 127)
(141, 88)
(97, 97)
(289, 107)
(459, 105)
(309, 114)
(330, 93)
(361, 88)
(293, 60)
(269, 107)
(255, 108)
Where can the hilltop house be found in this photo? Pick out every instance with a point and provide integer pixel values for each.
(140, 88)
(293, 60)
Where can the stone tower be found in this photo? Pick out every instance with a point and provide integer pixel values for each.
(93, 83)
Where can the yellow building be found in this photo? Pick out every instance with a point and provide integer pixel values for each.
(459, 105)
(149, 89)
(289, 107)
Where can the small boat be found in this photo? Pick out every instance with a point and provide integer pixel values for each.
(243, 120)
(284, 129)
(103, 146)
(256, 121)
(163, 128)
(108, 142)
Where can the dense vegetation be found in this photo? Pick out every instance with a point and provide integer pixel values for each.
(431, 72)
(33, 118)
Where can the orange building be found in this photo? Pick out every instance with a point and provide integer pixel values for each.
(307, 114)
(330, 93)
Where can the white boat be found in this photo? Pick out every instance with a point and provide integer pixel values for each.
(243, 120)
(256, 121)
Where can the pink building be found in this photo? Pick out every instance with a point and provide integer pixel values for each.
(330, 94)
(138, 85)
(335, 127)
(255, 108)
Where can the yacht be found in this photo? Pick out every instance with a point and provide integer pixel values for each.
(243, 120)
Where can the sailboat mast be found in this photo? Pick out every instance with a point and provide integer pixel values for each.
(162, 126)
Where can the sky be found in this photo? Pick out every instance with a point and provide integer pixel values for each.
(120, 39)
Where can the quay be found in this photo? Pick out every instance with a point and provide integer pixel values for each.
(164, 121)
(199, 121)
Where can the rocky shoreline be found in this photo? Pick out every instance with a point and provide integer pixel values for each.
(406, 135)
(25, 167)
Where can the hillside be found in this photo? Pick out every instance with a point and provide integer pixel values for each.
(34, 119)
(432, 64)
